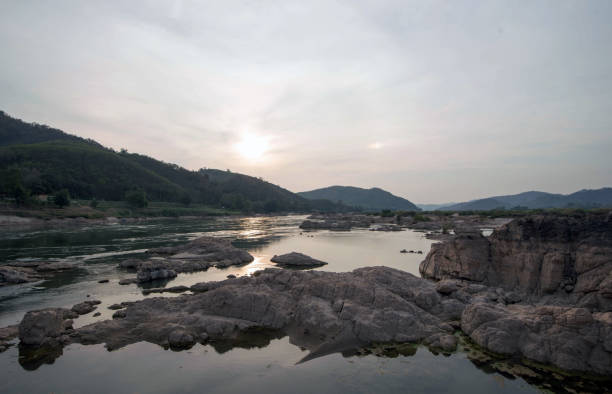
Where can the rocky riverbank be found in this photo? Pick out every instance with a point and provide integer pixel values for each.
(558, 271)
(508, 292)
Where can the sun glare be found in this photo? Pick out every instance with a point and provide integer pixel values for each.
(252, 147)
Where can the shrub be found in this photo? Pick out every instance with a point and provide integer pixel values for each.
(61, 198)
(136, 198)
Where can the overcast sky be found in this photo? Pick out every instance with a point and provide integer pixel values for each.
(432, 100)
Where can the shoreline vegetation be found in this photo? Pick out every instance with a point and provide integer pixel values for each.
(105, 209)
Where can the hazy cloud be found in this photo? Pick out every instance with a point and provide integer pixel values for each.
(435, 101)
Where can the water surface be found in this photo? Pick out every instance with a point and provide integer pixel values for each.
(269, 366)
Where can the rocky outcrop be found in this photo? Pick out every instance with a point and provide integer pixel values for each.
(570, 338)
(329, 312)
(322, 311)
(568, 258)
(551, 275)
(206, 249)
(197, 255)
(298, 260)
(16, 272)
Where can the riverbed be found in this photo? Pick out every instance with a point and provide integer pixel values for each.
(267, 364)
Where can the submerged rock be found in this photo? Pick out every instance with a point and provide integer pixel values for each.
(295, 259)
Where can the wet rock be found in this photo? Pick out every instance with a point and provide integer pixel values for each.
(103, 281)
(337, 222)
(174, 289)
(444, 342)
(57, 266)
(207, 249)
(180, 339)
(120, 314)
(85, 307)
(322, 311)
(97, 314)
(154, 270)
(6, 335)
(570, 338)
(44, 326)
(16, 275)
(295, 259)
(231, 276)
(116, 306)
(128, 281)
(197, 255)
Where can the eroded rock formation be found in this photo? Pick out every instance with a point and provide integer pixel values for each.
(557, 272)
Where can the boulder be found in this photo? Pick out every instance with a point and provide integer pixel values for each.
(85, 307)
(154, 270)
(295, 259)
(42, 326)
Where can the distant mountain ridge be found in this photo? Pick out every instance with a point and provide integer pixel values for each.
(368, 199)
(597, 198)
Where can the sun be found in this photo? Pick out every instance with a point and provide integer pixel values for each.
(252, 147)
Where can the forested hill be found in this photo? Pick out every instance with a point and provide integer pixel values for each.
(43, 160)
(368, 199)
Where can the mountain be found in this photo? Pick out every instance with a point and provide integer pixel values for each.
(368, 199)
(598, 198)
(43, 160)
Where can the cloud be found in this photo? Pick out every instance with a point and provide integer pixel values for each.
(436, 101)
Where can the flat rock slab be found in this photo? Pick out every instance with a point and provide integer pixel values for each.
(295, 259)
(322, 311)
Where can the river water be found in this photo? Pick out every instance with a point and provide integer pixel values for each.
(267, 365)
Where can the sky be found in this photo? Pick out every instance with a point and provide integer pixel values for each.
(435, 101)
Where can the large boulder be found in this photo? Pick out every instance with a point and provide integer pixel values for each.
(43, 326)
(536, 255)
